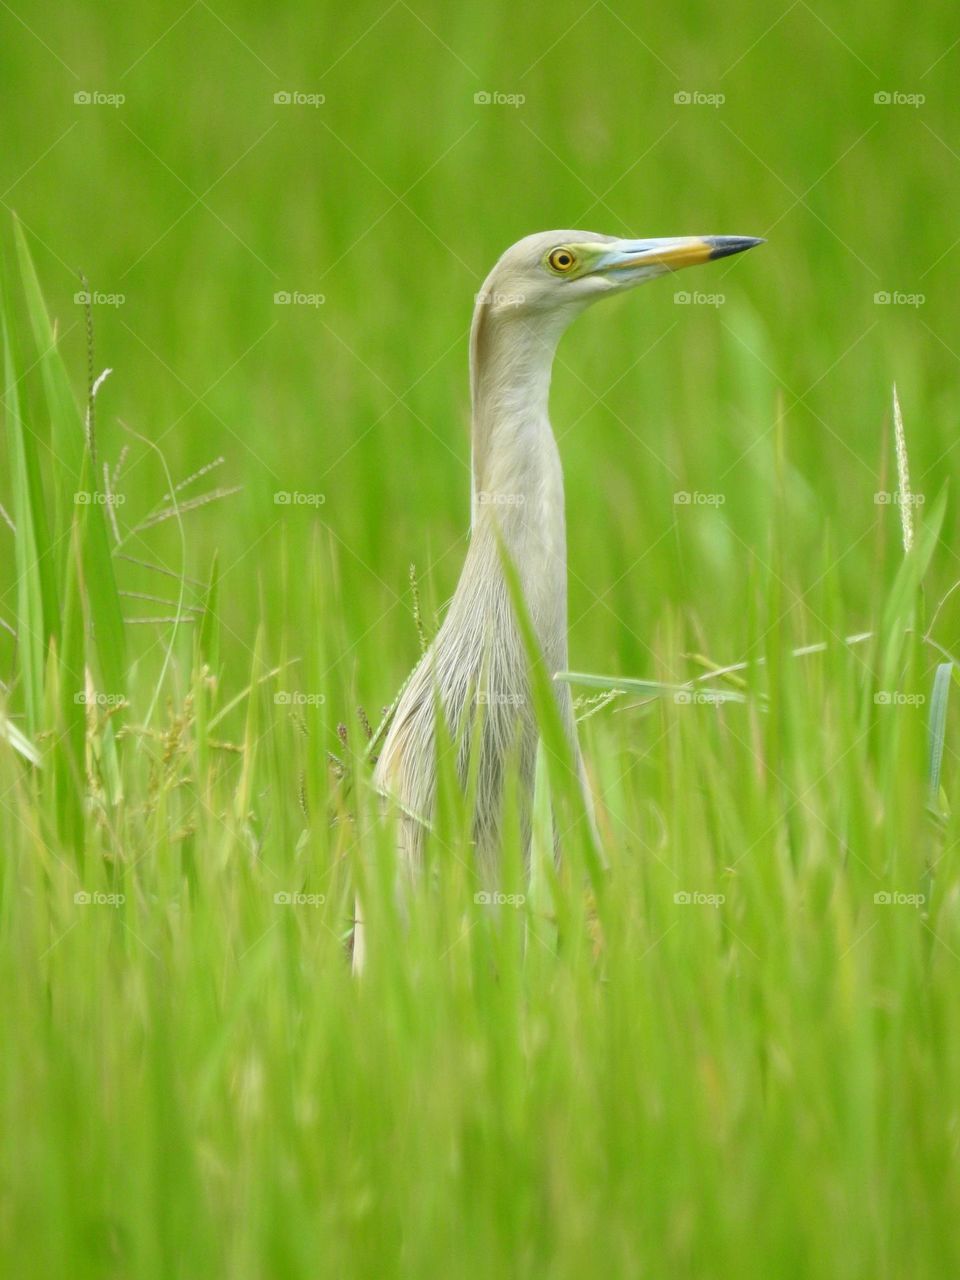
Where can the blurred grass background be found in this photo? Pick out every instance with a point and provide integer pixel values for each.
(195, 1083)
(199, 198)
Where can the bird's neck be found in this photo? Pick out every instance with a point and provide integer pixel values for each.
(514, 454)
(517, 477)
(511, 365)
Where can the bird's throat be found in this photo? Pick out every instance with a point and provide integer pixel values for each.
(517, 476)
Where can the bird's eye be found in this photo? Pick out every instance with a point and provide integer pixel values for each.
(561, 261)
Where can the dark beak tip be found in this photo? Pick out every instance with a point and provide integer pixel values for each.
(724, 246)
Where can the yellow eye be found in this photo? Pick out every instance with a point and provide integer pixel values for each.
(561, 260)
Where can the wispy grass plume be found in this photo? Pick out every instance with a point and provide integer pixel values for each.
(906, 500)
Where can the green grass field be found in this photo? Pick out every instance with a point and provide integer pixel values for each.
(737, 1051)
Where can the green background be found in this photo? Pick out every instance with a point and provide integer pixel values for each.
(198, 198)
(192, 1083)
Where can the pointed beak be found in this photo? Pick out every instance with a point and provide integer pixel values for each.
(654, 257)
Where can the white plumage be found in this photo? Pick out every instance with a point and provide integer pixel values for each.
(477, 664)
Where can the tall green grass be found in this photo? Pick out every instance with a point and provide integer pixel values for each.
(726, 1042)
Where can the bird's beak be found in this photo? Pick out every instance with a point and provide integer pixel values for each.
(654, 257)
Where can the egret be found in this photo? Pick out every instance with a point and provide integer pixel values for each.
(477, 665)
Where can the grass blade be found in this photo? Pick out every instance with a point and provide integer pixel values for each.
(76, 484)
(651, 688)
(937, 728)
(36, 594)
(900, 607)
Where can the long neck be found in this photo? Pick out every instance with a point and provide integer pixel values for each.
(517, 477)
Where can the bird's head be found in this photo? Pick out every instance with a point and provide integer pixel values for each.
(556, 274)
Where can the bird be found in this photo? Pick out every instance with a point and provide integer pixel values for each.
(476, 670)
